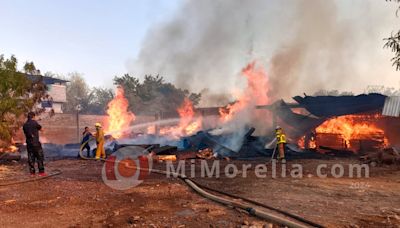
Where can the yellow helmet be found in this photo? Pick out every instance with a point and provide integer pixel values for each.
(97, 125)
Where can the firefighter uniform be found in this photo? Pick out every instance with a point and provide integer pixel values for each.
(100, 152)
(280, 144)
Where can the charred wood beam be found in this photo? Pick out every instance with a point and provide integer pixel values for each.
(165, 150)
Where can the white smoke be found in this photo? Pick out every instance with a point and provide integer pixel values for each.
(306, 45)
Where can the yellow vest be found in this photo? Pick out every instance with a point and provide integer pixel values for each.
(281, 138)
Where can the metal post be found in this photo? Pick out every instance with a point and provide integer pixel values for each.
(78, 108)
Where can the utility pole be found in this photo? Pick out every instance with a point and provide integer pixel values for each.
(78, 137)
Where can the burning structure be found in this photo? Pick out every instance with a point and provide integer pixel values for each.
(323, 124)
(338, 123)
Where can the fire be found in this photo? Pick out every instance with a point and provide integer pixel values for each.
(350, 127)
(255, 92)
(10, 149)
(302, 142)
(151, 129)
(312, 144)
(118, 115)
(186, 114)
(188, 124)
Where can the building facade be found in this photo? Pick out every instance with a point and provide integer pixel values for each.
(56, 95)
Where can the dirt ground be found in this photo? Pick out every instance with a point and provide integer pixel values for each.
(79, 198)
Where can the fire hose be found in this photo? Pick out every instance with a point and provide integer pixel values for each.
(227, 202)
(51, 174)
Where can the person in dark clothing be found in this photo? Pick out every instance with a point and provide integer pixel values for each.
(86, 134)
(35, 152)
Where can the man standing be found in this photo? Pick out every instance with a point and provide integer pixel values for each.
(100, 142)
(85, 141)
(35, 152)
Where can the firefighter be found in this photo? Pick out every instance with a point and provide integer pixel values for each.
(35, 152)
(280, 144)
(100, 142)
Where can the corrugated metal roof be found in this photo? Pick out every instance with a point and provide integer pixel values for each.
(391, 106)
(328, 106)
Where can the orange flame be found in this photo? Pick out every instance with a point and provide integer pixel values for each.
(350, 127)
(10, 149)
(151, 129)
(186, 112)
(312, 144)
(302, 142)
(187, 124)
(255, 92)
(118, 115)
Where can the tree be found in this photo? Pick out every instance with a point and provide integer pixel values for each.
(393, 42)
(18, 95)
(29, 68)
(77, 93)
(91, 101)
(98, 100)
(153, 94)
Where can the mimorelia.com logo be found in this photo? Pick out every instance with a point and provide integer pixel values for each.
(126, 168)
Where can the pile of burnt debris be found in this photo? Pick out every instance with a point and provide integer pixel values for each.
(314, 110)
(204, 145)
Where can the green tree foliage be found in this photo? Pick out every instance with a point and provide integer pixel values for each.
(29, 68)
(98, 100)
(393, 42)
(153, 94)
(148, 97)
(77, 94)
(18, 95)
(91, 101)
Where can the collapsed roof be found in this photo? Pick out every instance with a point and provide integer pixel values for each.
(329, 106)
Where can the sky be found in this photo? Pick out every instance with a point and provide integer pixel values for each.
(104, 38)
(92, 37)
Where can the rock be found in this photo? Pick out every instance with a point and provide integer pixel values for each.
(116, 213)
(246, 223)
